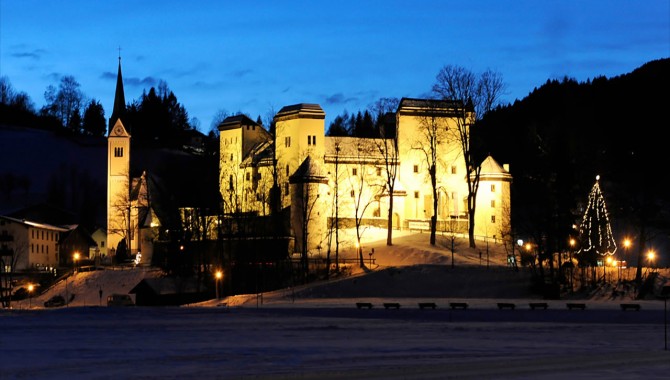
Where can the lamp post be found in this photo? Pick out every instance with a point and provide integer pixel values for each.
(572, 243)
(218, 277)
(626, 245)
(651, 255)
(31, 287)
(74, 261)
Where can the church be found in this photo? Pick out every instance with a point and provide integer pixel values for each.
(320, 182)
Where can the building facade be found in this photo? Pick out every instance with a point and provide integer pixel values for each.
(322, 177)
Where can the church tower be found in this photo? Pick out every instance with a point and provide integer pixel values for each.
(118, 173)
(119, 109)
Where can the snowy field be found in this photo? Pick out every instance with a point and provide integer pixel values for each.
(312, 342)
(316, 331)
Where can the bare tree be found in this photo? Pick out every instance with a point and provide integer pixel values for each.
(364, 190)
(120, 212)
(387, 146)
(65, 102)
(479, 94)
(432, 136)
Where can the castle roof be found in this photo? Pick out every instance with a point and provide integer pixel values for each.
(308, 172)
(491, 170)
(301, 110)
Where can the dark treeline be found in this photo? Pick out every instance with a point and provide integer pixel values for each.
(565, 133)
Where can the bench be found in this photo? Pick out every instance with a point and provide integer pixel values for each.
(506, 305)
(538, 305)
(458, 305)
(391, 305)
(426, 305)
(363, 305)
(631, 306)
(580, 306)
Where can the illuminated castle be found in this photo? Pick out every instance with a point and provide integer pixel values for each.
(320, 176)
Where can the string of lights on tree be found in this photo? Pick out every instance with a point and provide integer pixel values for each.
(595, 231)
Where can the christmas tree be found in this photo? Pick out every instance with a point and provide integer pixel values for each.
(595, 231)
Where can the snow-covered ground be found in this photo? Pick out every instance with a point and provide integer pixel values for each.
(317, 332)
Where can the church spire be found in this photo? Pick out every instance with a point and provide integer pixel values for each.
(119, 98)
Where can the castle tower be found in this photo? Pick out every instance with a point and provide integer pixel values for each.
(493, 209)
(118, 173)
(300, 131)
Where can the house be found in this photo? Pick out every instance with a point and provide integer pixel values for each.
(30, 245)
(169, 291)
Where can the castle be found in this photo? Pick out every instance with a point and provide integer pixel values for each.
(323, 179)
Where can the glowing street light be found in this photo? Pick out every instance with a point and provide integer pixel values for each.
(651, 256)
(31, 287)
(626, 244)
(75, 259)
(218, 275)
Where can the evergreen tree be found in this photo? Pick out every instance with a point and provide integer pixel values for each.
(595, 231)
(94, 119)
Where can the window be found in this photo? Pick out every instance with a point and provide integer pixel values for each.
(416, 195)
(286, 188)
(287, 170)
(118, 151)
(102, 244)
(352, 194)
(493, 188)
(453, 169)
(309, 140)
(416, 168)
(230, 182)
(287, 141)
(354, 171)
(231, 156)
(493, 203)
(314, 140)
(493, 218)
(379, 172)
(248, 176)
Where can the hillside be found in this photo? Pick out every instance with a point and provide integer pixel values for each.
(409, 270)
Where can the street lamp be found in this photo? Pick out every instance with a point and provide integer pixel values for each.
(651, 255)
(75, 258)
(218, 275)
(626, 245)
(572, 243)
(31, 287)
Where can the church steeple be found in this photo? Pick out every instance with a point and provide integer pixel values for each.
(119, 99)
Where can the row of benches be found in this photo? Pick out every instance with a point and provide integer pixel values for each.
(501, 305)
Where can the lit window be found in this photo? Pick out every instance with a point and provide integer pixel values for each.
(453, 169)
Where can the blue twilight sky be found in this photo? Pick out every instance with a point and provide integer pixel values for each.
(258, 56)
